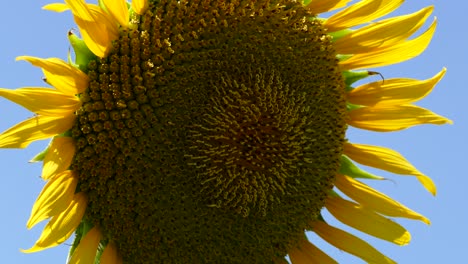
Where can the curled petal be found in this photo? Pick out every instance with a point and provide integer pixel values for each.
(35, 128)
(397, 53)
(54, 198)
(393, 92)
(87, 249)
(367, 221)
(43, 101)
(382, 34)
(61, 226)
(360, 13)
(393, 118)
(375, 200)
(386, 159)
(61, 75)
(59, 156)
(307, 253)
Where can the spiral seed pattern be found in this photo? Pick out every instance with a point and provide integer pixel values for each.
(212, 132)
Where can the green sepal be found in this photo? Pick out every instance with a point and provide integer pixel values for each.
(348, 168)
(320, 217)
(332, 193)
(70, 60)
(320, 19)
(40, 156)
(82, 53)
(76, 241)
(306, 2)
(351, 77)
(350, 106)
(80, 232)
(102, 5)
(339, 34)
(102, 245)
(343, 57)
(86, 226)
(67, 133)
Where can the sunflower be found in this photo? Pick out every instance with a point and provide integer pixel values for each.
(210, 131)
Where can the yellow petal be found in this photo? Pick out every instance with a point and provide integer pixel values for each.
(393, 118)
(111, 255)
(101, 17)
(59, 156)
(349, 243)
(321, 6)
(86, 251)
(386, 159)
(61, 226)
(362, 12)
(397, 53)
(393, 91)
(97, 28)
(118, 10)
(140, 6)
(382, 34)
(80, 8)
(35, 128)
(54, 198)
(307, 253)
(97, 34)
(63, 76)
(367, 221)
(56, 7)
(43, 101)
(375, 200)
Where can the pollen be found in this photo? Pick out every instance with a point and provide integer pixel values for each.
(212, 132)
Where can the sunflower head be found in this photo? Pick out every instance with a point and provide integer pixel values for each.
(214, 131)
(216, 119)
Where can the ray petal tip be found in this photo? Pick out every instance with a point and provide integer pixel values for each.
(56, 7)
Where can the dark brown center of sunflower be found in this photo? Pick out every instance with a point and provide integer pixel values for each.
(212, 132)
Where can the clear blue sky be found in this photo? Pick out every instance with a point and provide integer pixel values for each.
(438, 151)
